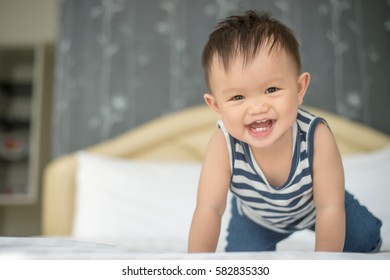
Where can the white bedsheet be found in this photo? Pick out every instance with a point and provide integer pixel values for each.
(45, 248)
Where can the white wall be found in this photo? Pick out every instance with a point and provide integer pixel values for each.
(27, 21)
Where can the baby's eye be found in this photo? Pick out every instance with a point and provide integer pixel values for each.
(237, 97)
(271, 90)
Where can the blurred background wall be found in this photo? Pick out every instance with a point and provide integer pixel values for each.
(26, 22)
(123, 62)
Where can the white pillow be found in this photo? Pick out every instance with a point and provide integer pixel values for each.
(145, 206)
(367, 177)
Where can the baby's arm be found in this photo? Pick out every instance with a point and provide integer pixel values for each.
(328, 185)
(211, 201)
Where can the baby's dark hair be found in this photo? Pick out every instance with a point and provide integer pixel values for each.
(245, 35)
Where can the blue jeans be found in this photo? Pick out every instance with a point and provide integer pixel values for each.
(362, 231)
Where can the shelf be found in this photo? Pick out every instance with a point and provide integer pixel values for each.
(25, 102)
(10, 89)
(9, 123)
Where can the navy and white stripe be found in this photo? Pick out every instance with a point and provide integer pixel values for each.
(289, 207)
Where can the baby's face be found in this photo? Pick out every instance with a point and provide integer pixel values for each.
(258, 102)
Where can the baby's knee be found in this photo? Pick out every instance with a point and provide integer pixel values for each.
(363, 229)
(364, 237)
(366, 246)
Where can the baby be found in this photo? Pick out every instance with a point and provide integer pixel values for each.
(280, 162)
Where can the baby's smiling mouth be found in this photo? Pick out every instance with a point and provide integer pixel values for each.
(260, 125)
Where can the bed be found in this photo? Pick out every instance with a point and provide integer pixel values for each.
(136, 192)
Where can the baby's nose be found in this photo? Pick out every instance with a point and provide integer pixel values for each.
(258, 107)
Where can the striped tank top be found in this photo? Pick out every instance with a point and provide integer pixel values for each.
(284, 209)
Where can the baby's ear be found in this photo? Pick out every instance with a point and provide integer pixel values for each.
(303, 84)
(211, 102)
